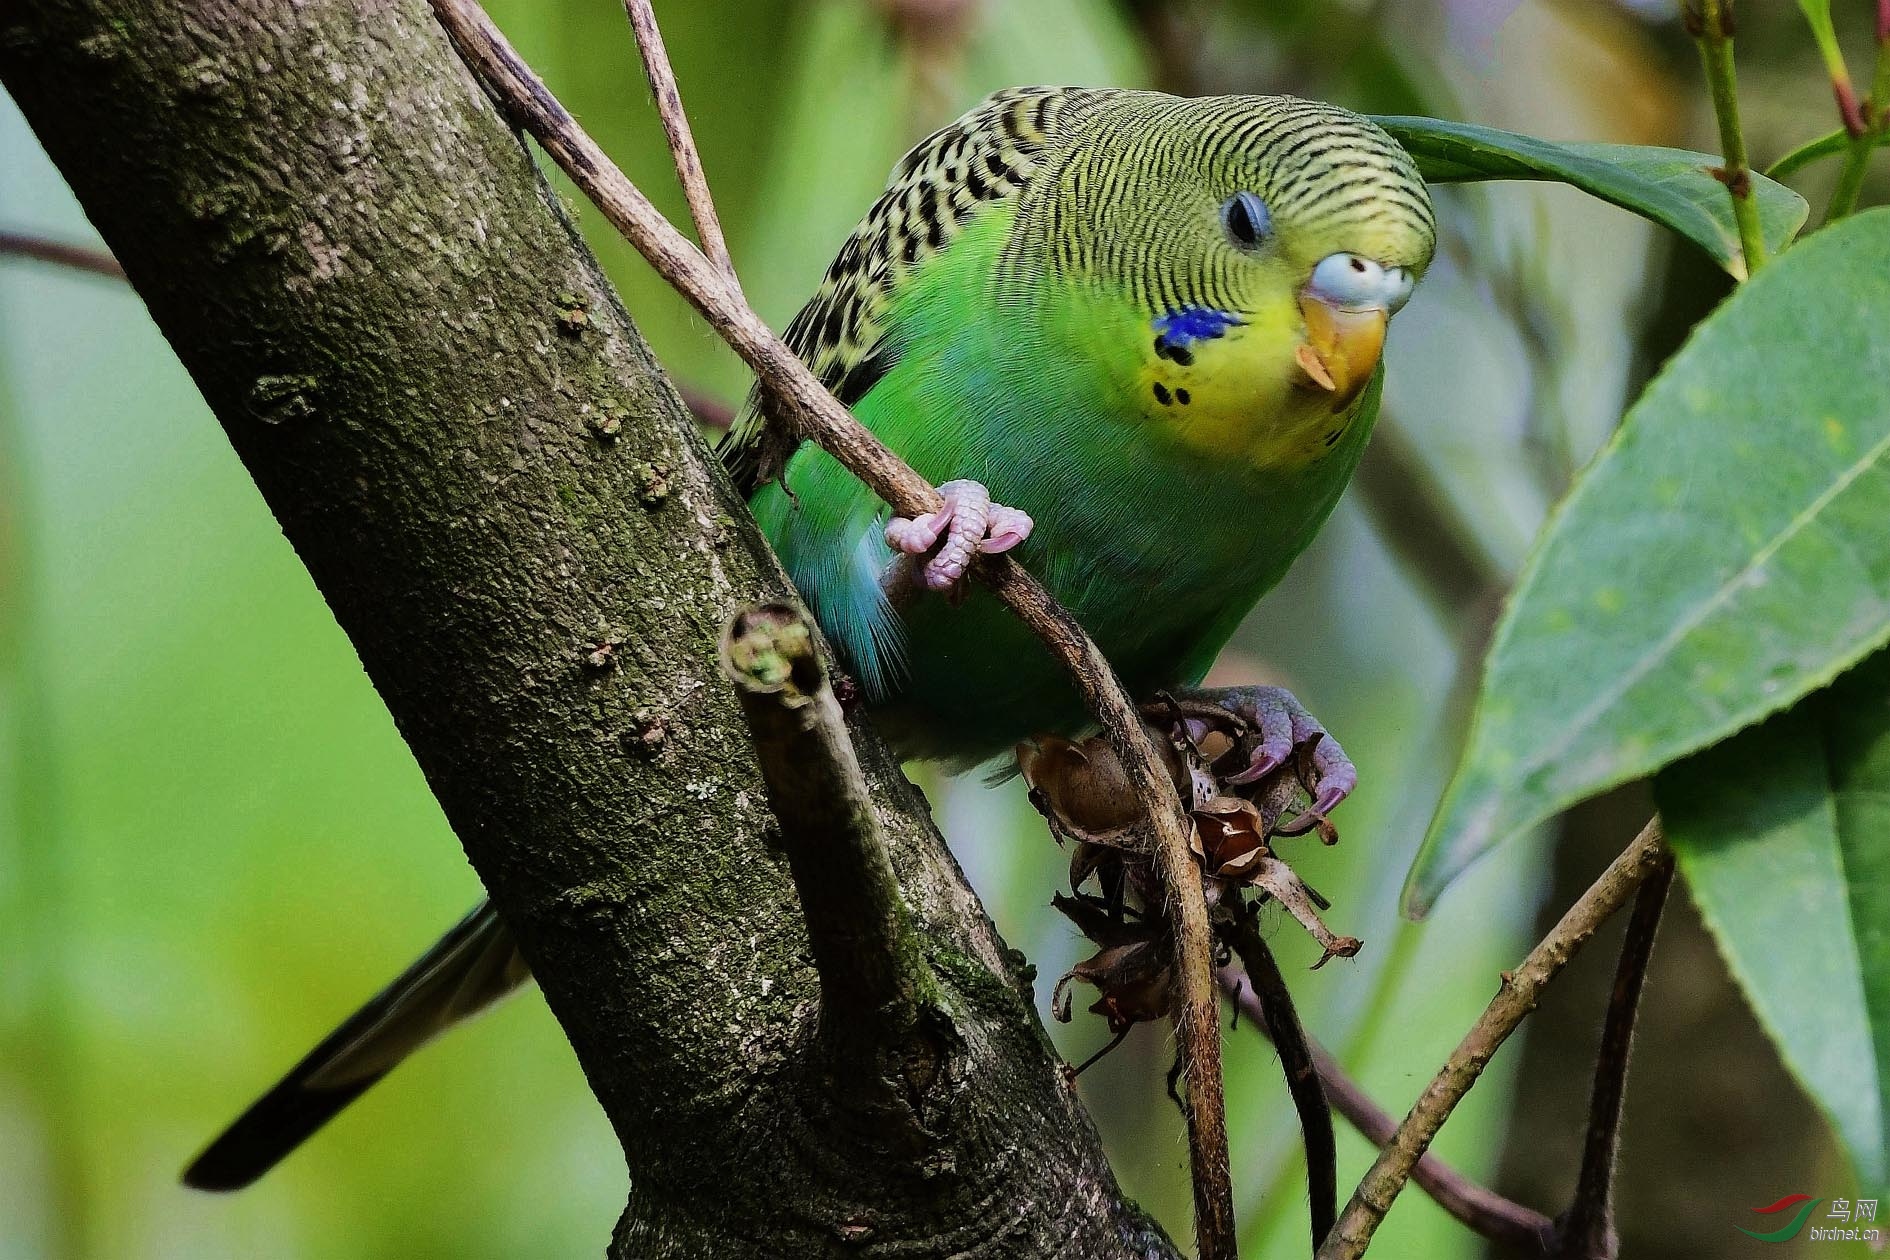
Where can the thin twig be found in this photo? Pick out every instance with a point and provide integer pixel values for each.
(78, 257)
(1273, 1006)
(1586, 1230)
(872, 974)
(1711, 25)
(1477, 1207)
(710, 412)
(682, 141)
(1513, 1001)
(813, 413)
(1175, 34)
(1422, 527)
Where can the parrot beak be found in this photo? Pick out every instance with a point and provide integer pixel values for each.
(1341, 349)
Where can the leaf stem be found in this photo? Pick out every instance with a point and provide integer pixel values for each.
(1712, 28)
(1850, 180)
(1871, 128)
(1818, 17)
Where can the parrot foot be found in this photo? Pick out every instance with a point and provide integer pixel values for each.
(1285, 726)
(968, 525)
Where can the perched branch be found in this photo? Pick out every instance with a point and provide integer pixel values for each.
(1586, 1230)
(814, 413)
(78, 257)
(1513, 1001)
(1272, 1003)
(1477, 1207)
(872, 976)
(682, 142)
(1710, 22)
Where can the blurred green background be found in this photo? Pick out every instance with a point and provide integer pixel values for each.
(213, 843)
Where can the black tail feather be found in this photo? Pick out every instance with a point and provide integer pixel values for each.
(470, 967)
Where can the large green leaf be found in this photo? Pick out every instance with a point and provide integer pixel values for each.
(1673, 187)
(1783, 833)
(1723, 556)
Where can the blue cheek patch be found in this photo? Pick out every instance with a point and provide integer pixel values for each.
(1176, 332)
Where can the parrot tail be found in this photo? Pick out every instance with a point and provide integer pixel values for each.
(469, 969)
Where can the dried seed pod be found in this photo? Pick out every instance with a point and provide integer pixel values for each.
(1081, 787)
(1229, 836)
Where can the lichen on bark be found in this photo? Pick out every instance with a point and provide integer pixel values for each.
(534, 555)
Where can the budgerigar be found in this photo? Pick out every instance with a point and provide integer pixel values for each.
(1134, 337)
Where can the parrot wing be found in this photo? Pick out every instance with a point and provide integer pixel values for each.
(984, 157)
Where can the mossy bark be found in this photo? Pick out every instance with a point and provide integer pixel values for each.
(511, 516)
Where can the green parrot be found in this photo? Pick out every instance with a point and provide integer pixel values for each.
(1134, 338)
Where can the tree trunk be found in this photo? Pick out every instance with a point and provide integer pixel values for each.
(512, 517)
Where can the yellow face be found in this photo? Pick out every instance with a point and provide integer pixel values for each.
(1244, 394)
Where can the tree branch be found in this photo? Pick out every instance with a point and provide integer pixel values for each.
(358, 264)
(873, 977)
(1512, 1003)
(77, 257)
(1272, 1003)
(812, 412)
(1479, 1208)
(682, 141)
(1418, 524)
(1586, 1230)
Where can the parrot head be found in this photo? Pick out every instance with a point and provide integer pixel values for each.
(1263, 243)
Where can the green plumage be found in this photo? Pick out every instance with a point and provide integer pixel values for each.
(1151, 323)
(1047, 299)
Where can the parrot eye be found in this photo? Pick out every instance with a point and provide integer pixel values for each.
(1246, 219)
(1350, 282)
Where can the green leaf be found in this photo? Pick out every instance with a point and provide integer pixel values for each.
(1672, 187)
(1783, 833)
(1722, 557)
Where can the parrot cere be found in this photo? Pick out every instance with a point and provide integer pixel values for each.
(1134, 338)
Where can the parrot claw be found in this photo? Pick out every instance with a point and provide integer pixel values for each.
(966, 526)
(1285, 726)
